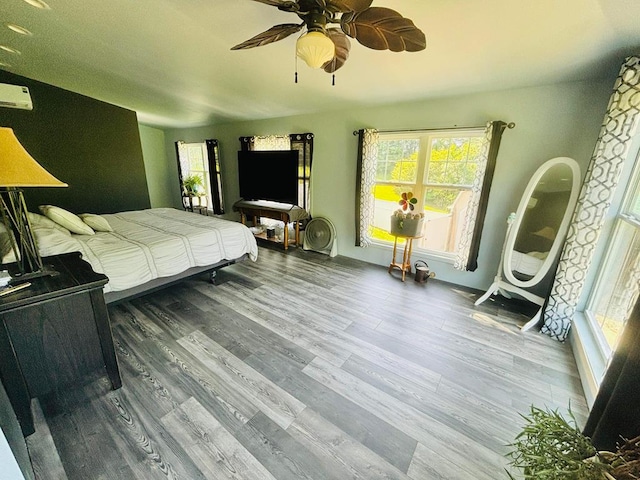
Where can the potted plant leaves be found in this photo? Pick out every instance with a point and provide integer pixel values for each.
(549, 447)
(192, 184)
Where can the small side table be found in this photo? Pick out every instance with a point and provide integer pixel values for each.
(195, 203)
(55, 334)
(405, 266)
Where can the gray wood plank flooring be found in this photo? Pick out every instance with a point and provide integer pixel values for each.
(299, 366)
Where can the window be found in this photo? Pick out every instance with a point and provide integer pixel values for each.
(450, 171)
(202, 160)
(439, 168)
(617, 288)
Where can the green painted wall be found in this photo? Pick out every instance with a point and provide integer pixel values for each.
(91, 145)
(551, 121)
(160, 181)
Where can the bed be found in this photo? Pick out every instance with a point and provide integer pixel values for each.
(527, 264)
(145, 249)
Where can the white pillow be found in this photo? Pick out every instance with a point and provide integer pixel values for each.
(66, 219)
(98, 223)
(40, 221)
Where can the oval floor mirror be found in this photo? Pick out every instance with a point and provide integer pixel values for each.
(536, 232)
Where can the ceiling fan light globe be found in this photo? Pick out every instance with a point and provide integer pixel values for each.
(315, 48)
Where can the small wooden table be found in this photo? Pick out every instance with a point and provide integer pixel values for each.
(284, 212)
(195, 203)
(405, 266)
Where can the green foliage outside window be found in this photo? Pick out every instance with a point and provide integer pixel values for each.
(452, 161)
(440, 199)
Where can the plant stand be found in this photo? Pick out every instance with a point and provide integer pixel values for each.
(405, 266)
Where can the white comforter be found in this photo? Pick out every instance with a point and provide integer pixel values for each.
(148, 244)
(527, 263)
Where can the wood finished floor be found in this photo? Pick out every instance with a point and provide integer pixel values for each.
(300, 366)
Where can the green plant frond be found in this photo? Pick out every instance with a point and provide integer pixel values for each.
(550, 447)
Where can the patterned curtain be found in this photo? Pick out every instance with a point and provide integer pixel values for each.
(467, 257)
(366, 177)
(617, 133)
(272, 142)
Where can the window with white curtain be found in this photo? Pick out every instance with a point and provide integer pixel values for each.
(438, 167)
(617, 287)
(448, 171)
(194, 161)
(202, 160)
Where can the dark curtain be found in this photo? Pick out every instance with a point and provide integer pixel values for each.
(359, 187)
(497, 128)
(215, 176)
(616, 410)
(180, 176)
(303, 143)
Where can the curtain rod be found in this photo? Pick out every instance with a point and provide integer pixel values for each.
(417, 130)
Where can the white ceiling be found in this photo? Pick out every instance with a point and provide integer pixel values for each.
(170, 60)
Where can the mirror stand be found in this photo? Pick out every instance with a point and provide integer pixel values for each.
(502, 287)
(536, 233)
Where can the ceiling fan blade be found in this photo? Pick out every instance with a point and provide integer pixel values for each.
(287, 6)
(343, 45)
(381, 28)
(278, 32)
(348, 5)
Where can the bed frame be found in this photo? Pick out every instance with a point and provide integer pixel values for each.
(113, 298)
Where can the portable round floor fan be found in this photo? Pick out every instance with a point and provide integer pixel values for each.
(320, 236)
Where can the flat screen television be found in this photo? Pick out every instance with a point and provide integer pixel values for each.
(269, 175)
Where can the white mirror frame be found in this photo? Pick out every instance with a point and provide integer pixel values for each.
(562, 230)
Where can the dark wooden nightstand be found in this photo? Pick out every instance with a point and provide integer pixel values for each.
(55, 334)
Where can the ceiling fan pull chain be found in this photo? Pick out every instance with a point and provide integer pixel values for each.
(296, 60)
(333, 80)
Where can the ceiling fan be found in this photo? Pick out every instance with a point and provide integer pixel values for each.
(328, 48)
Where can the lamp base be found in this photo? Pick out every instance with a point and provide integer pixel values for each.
(17, 277)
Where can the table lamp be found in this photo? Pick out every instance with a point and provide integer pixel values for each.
(18, 169)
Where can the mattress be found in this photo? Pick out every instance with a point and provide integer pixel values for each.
(154, 243)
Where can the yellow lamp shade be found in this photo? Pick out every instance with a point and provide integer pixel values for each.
(18, 168)
(315, 48)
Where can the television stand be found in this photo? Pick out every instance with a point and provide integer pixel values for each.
(285, 212)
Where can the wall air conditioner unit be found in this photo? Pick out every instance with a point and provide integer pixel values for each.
(15, 96)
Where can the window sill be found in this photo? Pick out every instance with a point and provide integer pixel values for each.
(591, 362)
